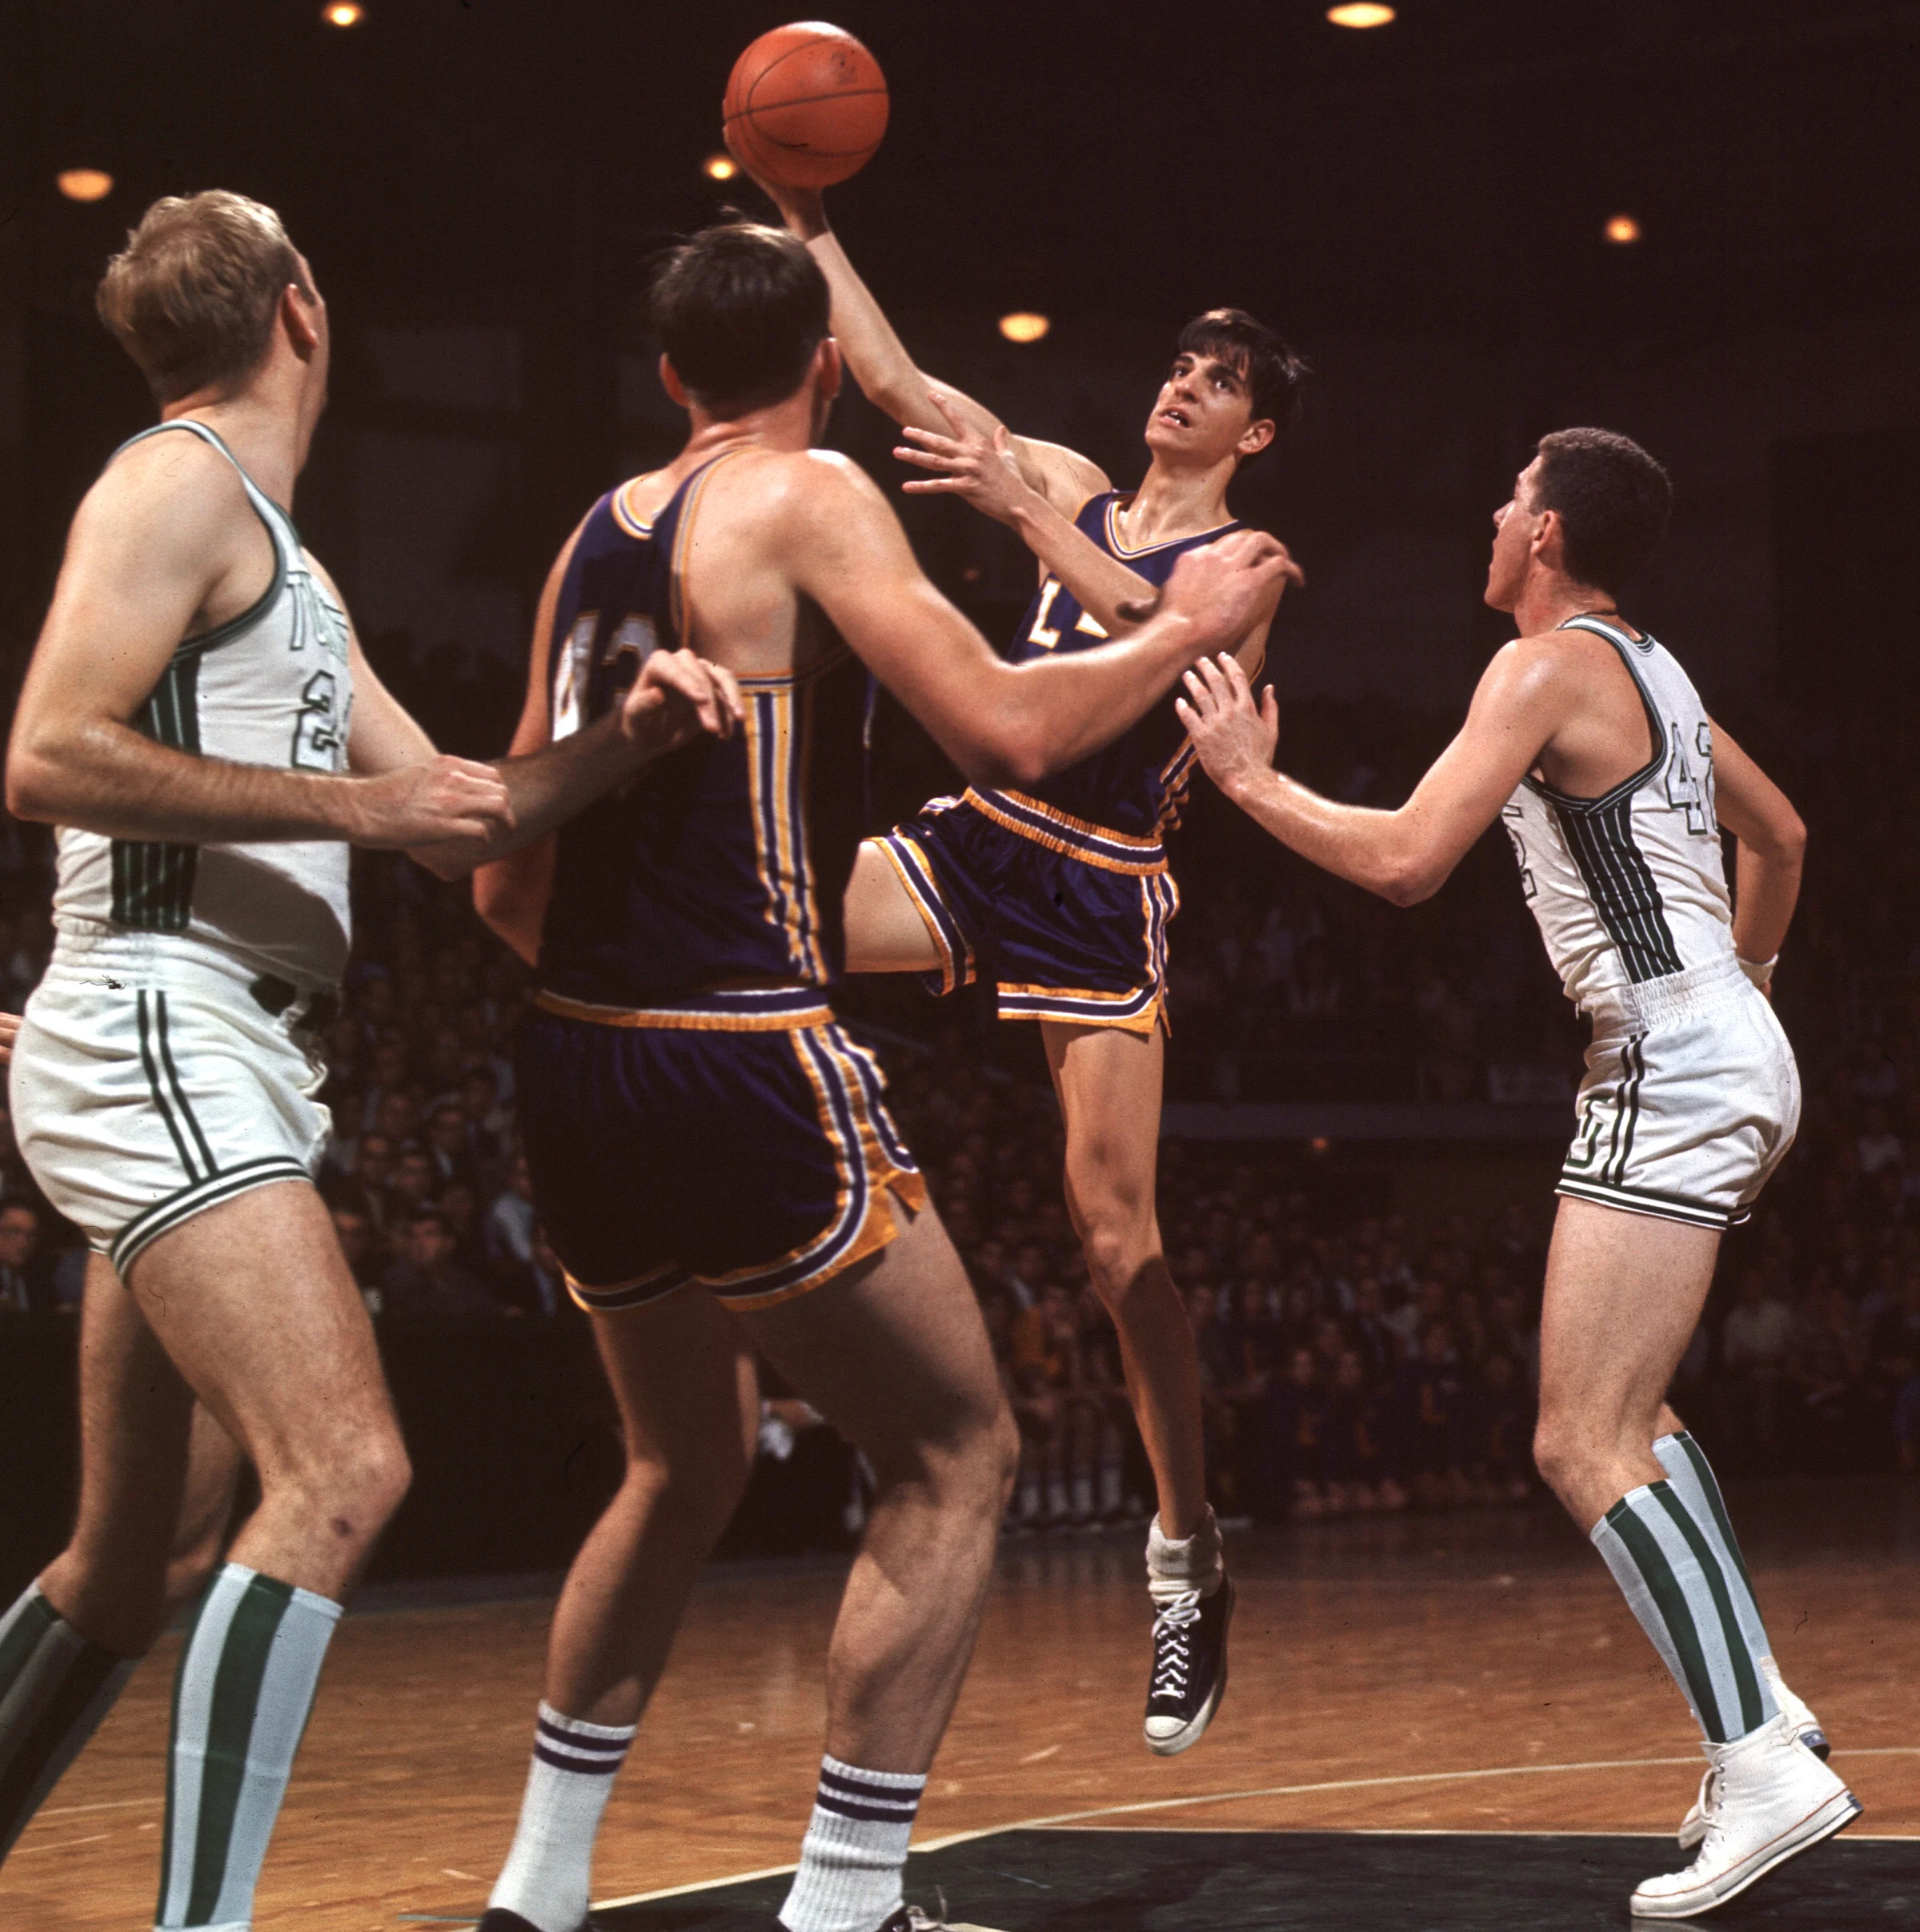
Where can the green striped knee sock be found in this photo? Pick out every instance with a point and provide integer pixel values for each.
(55, 1686)
(241, 1701)
(1692, 1476)
(1683, 1591)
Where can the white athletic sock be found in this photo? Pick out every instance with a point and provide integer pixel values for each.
(548, 1875)
(55, 1686)
(1197, 1563)
(1058, 1507)
(855, 1845)
(1677, 1584)
(1029, 1499)
(1694, 1482)
(242, 1697)
(1083, 1498)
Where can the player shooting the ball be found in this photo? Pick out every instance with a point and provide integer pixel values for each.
(1061, 892)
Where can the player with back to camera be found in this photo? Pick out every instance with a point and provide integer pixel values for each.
(1060, 891)
(1587, 740)
(711, 1154)
(198, 722)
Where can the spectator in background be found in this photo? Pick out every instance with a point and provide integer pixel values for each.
(424, 1279)
(356, 1237)
(26, 1274)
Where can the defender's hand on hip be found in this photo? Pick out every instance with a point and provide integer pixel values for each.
(1235, 737)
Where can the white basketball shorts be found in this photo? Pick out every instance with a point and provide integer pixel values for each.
(141, 1098)
(1690, 1101)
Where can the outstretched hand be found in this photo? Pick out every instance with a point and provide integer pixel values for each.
(1234, 736)
(1224, 587)
(677, 698)
(968, 463)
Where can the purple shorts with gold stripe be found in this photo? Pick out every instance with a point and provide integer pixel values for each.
(1069, 919)
(739, 1140)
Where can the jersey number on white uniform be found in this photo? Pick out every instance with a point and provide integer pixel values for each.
(319, 731)
(1688, 790)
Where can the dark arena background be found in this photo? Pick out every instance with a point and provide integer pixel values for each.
(1692, 221)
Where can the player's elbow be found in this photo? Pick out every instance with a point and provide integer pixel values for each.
(1407, 880)
(33, 783)
(1788, 840)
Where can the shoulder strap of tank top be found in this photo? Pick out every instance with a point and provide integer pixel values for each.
(271, 516)
(1614, 632)
(684, 505)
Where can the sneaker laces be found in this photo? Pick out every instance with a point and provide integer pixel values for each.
(1170, 1641)
(1709, 1801)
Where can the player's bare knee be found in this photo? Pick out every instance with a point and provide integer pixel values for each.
(693, 1502)
(1116, 1250)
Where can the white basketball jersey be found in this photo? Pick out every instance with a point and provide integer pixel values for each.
(273, 687)
(1630, 887)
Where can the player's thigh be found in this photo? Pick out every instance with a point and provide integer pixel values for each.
(1623, 1294)
(136, 1413)
(885, 932)
(683, 1375)
(254, 1304)
(1109, 1082)
(893, 1353)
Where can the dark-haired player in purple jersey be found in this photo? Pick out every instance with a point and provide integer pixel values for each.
(1060, 891)
(711, 1153)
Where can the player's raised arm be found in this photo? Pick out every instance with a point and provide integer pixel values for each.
(892, 381)
(1404, 856)
(1003, 723)
(1772, 846)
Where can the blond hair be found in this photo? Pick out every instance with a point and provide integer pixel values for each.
(192, 296)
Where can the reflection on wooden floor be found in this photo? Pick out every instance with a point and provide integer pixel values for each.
(1475, 1671)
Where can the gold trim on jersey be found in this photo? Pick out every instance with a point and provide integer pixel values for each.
(1120, 548)
(689, 1018)
(1078, 838)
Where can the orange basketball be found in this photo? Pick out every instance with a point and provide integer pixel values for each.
(806, 105)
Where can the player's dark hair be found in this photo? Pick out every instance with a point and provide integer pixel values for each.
(1614, 501)
(192, 296)
(739, 310)
(1262, 359)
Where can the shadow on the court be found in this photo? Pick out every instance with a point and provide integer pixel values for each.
(1330, 1882)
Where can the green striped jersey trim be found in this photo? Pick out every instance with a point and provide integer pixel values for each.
(261, 503)
(153, 884)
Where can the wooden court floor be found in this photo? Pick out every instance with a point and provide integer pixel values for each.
(1475, 1671)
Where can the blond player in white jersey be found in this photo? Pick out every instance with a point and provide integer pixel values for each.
(1586, 739)
(199, 723)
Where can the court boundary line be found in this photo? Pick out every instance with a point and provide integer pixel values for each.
(1058, 1820)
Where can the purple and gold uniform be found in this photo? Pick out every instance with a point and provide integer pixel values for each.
(1062, 895)
(692, 1112)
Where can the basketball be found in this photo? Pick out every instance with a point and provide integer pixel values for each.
(806, 105)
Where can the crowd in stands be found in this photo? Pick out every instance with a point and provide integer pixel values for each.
(1351, 1361)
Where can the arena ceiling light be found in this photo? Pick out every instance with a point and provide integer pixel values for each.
(343, 13)
(84, 184)
(1622, 230)
(1360, 14)
(720, 167)
(1023, 325)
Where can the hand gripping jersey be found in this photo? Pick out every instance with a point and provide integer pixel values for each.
(273, 687)
(1630, 887)
(727, 861)
(1128, 795)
